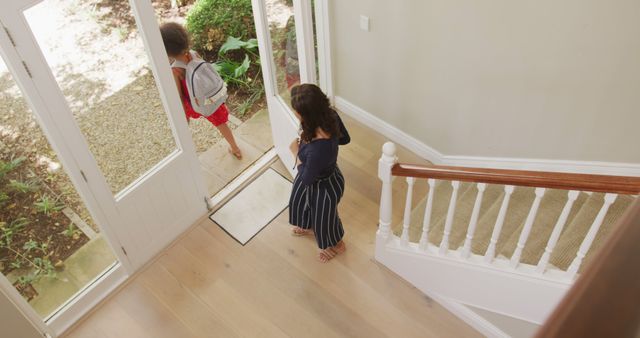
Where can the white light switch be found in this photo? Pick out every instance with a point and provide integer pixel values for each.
(364, 23)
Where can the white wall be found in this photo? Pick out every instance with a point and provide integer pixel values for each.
(500, 78)
(13, 323)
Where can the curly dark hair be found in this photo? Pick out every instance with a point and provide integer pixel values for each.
(175, 38)
(316, 112)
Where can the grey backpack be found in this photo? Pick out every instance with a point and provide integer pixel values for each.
(207, 90)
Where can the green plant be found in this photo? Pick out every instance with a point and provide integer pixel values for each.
(23, 187)
(47, 205)
(244, 107)
(6, 167)
(210, 21)
(7, 231)
(3, 198)
(71, 230)
(41, 267)
(235, 73)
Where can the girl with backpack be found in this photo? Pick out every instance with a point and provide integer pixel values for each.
(191, 75)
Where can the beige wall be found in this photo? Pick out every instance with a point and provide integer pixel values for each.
(13, 323)
(529, 79)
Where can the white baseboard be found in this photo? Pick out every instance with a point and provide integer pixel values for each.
(419, 148)
(389, 131)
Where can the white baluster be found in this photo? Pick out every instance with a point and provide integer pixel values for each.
(557, 229)
(466, 250)
(526, 229)
(491, 251)
(386, 162)
(424, 239)
(444, 245)
(591, 235)
(407, 212)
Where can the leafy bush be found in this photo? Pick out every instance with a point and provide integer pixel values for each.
(235, 73)
(238, 74)
(210, 22)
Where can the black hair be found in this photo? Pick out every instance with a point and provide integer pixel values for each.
(316, 112)
(175, 38)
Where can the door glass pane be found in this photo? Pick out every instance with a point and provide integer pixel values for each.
(282, 28)
(50, 248)
(99, 61)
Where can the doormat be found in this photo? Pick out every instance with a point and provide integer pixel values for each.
(248, 212)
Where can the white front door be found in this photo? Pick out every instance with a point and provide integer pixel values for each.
(285, 37)
(140, 179)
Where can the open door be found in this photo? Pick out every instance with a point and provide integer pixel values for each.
(285, 37)
(140, 200)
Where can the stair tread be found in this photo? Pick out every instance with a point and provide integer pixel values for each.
(551, 206)
(519, 206)
(571, 239)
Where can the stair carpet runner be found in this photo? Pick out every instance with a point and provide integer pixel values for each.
(582, 215)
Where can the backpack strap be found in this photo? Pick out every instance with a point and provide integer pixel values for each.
(178, 64)
(202, 62)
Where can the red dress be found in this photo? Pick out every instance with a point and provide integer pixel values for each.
(220, 116)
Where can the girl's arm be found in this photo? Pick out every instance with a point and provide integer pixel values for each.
(295, 148)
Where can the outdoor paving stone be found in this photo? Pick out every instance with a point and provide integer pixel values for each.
(214, 182)
(257, 131)
(90, 260)
(219, 161)
(53, 292)
(79, 269)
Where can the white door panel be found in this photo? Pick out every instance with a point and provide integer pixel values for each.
(285, 39)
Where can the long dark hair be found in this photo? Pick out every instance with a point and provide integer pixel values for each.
(314, 108)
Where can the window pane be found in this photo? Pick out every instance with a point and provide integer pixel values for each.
(50, 248)
(100, 63)
(285, 49)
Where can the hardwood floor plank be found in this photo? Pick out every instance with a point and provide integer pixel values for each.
(339, 280)
(239, 313)
(141, 305)
(332, 311)
(265, 296)
(191, 310)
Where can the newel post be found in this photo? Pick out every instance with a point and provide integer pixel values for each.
(385, 164)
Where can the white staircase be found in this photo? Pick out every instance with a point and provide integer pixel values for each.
(511, 250)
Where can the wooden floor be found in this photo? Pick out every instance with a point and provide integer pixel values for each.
(207, 285)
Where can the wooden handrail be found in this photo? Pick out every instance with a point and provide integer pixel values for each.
(605, 300)
(540, 179)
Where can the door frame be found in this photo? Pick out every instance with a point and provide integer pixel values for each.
(323, 36)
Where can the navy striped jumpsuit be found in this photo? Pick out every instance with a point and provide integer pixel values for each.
(318, 188)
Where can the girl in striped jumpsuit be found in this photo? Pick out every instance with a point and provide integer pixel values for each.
(319, 184)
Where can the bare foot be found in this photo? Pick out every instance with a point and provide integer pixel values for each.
(298, 231)
(328, 253)
(237, 153)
